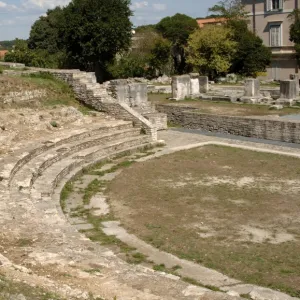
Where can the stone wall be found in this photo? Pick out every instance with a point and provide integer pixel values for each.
(24, 96)
(256, 127)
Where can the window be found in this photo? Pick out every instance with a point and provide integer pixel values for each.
(274, 5)
(275, 35)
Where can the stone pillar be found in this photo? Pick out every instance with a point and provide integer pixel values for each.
(203, 84)
(138, 94)
(288, 92)
(119, 90)
(195, 86)
(252, 87)
(296, 78)
(181, 87)
(288, 89)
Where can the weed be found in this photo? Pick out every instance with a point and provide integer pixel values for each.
(91, 190)
(54, 124)
(65, 193)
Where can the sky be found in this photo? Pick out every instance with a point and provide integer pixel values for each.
(17, 16)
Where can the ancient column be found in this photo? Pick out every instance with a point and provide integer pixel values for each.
(252, 87)
(181, 87)
(203, 84)
(195, 86)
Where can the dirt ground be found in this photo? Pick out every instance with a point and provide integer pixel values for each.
(232, 210)
(223, 107)
(57, 111)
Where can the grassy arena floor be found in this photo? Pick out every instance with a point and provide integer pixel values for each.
(229, 209)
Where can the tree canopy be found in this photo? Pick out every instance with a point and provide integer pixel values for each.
(177, 28)
(252, 55)
(211, 50)
(46, 33)
(96, 30)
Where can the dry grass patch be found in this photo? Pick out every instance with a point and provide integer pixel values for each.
(232, 210)
(223, 107)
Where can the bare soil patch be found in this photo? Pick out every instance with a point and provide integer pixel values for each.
(229, 209)
(223, 107)
(29, 121)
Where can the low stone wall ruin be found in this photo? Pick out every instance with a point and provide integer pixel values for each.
(22, 97)
(97, 96)
(255, 127)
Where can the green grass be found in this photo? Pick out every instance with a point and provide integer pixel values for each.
(123, 164)
(91, 190)
(65, 193)
(207, 190)
(59, 93)
(9, 288)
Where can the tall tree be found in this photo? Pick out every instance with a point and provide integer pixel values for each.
(229, 9)
(177, 29)
(46, 33)
(211, 49)
(252, 56)
(295, 32)
(96, 30)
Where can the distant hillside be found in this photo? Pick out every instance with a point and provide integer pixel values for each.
(6, 45)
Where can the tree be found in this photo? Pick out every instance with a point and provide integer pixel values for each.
(211, 49)
(46, 33)
(229, 9)
(251, 56)
(33, 58)
(177, 30)
(149, 56)
(95, 31)
(295, 32)
(160, 58)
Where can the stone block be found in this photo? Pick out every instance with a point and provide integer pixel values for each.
(119, 90)
(296, 78)
(138, 94)
(181, 87)
(252, 87)
(288, 92)
(159, 120)
(203, 84)
(288, 89)
(195, 86)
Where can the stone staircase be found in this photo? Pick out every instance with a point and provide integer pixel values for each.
(31, 181)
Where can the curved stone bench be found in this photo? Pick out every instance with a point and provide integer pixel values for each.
(35, 212)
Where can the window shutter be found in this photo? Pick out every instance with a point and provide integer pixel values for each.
(280, 4)
(272, 36)
(269, 5)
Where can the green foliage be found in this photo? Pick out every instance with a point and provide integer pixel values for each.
(160, 58)
(96, 30)
(33, 58)
(229, 9)
(211, 50)
(177, 28)
(7, 45)
(129, 65)
(295, 31)
(150, 55)
(252, 56)
(46, 33)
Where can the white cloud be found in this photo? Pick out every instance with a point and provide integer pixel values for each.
(139, 5)
(159, 6)
(6, 6)
(44, 4)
